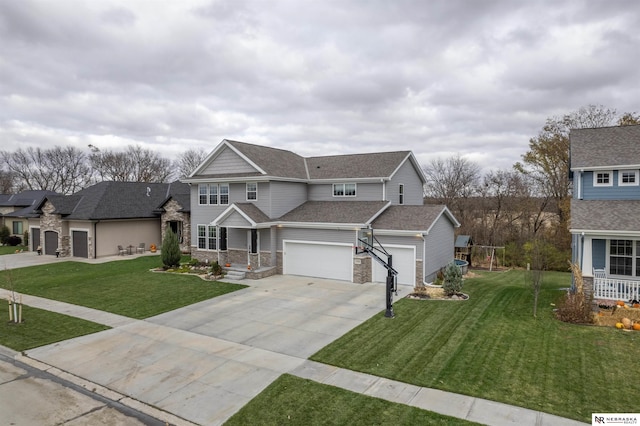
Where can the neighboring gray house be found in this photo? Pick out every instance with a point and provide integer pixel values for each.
(17, 209)
(605, 225)
(93, 222)
(278, 212)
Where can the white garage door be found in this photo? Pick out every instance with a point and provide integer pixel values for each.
(404, 261)
(322, 260)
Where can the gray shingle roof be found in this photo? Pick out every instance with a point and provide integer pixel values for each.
(605, 147)
(379, 164)
(359, 212)
(605, 215)
(114, 200)
(27, 200)
(409, 218)
(251, 210)
(283, 163)
(274, 161)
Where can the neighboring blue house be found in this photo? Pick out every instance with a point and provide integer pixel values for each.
(276, 212)
(605, 219)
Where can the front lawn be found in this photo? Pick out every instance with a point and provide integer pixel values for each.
(11, 249)
(296, 401)
(41, 328)
(490, 346)
(125, 287)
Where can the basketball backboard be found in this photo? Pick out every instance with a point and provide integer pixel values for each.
(365, 237)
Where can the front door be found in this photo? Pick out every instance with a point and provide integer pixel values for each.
(35, 239)
(50, 242)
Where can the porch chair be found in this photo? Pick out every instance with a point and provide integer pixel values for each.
(121, 251)
(599, 273)
(141, 248)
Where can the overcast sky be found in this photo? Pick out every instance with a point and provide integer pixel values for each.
(478, 78)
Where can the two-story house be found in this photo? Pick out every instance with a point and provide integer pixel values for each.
(605, 224)
(280, 213)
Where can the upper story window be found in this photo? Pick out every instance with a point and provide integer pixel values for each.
(628, 178)
(401, 193)
(213, 194)
(252, 191)
(344, 189)
(602, 179)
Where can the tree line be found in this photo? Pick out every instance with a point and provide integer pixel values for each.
(68, 169)
(527, 206)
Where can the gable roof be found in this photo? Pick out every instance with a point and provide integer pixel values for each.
(607, 216)
(412, 218)
(605, 147)
(274, 162)
(114, 200)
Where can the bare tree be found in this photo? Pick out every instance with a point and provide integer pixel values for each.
(188, 161)
(60, 169)
(451, 181)
(7, 182)
(133, 165)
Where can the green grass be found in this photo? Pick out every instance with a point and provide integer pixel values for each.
(296, 401)
(126, 287)
(490, 346)
(41, 328)
(11, 249)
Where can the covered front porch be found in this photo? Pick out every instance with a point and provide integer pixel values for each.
(615, 288)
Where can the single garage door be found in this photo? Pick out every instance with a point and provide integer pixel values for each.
(323, 260)
(404, 261)
(80, 243)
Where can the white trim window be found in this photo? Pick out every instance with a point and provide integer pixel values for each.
(621, 257)
(207, 237)
(601, 178)
(252, 191)
(344, 189)
(628, 178)
(213, 194)
(401, 193)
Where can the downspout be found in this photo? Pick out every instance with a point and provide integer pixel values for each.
(95, 239)
(424, 261)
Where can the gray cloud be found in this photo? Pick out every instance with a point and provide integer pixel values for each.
(318, 77)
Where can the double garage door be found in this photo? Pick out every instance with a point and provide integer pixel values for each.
(335, 261)
(322, 260)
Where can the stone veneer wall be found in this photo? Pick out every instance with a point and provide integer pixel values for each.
(172, 213)
(419, 278)
(53, 222)
(362, 271)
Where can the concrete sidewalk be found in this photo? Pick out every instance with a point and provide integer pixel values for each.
(203, 362)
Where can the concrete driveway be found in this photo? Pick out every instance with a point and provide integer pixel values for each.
(205, 361)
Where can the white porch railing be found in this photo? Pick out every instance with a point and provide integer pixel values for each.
(616, 289)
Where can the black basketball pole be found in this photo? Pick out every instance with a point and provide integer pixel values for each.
(389, 313)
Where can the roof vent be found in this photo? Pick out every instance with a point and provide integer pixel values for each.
(148, 191)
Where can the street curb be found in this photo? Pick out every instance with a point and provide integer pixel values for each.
(164, 416)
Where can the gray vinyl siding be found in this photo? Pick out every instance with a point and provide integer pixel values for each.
(228, 162)
(315, 235)
(403, 240)
(439, 247)
(614, 192)
(235, 220)
(285, 196)
(201, 215)
(236, 238)
(364, 192)
(413, 190)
